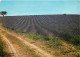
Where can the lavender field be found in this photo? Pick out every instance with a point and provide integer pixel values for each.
(44, 23)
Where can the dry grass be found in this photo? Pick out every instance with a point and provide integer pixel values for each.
(29, 51)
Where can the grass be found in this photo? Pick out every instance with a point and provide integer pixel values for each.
(73, 39)
(48, 39)
(1, 48)
(77, 55)
(35, 36)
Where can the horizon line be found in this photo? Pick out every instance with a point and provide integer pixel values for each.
(41, 14)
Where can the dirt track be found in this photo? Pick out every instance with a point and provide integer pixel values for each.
(37, 50)
(11, 49)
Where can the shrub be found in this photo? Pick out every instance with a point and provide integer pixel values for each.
(53, 42)
(74, 39)
(1, 49)
(77, 55)
(35, 36)
(49, 39)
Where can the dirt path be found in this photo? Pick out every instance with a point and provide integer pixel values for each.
(35, 48)
(38, 50)
(21, 49)
(11, 49)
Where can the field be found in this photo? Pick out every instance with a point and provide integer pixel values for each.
(43, 23)
(48, 35)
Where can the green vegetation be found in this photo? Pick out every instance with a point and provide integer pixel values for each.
(1, 48)
(3, 13)
(73, 39)
(77, 55)
(54, 42)
(48, 39)
(35, 36)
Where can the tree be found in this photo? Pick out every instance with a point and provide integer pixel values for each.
(3, 13)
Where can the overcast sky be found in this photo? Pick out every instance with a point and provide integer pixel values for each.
(38, 7)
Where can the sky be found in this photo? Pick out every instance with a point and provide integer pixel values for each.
(40, 7)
